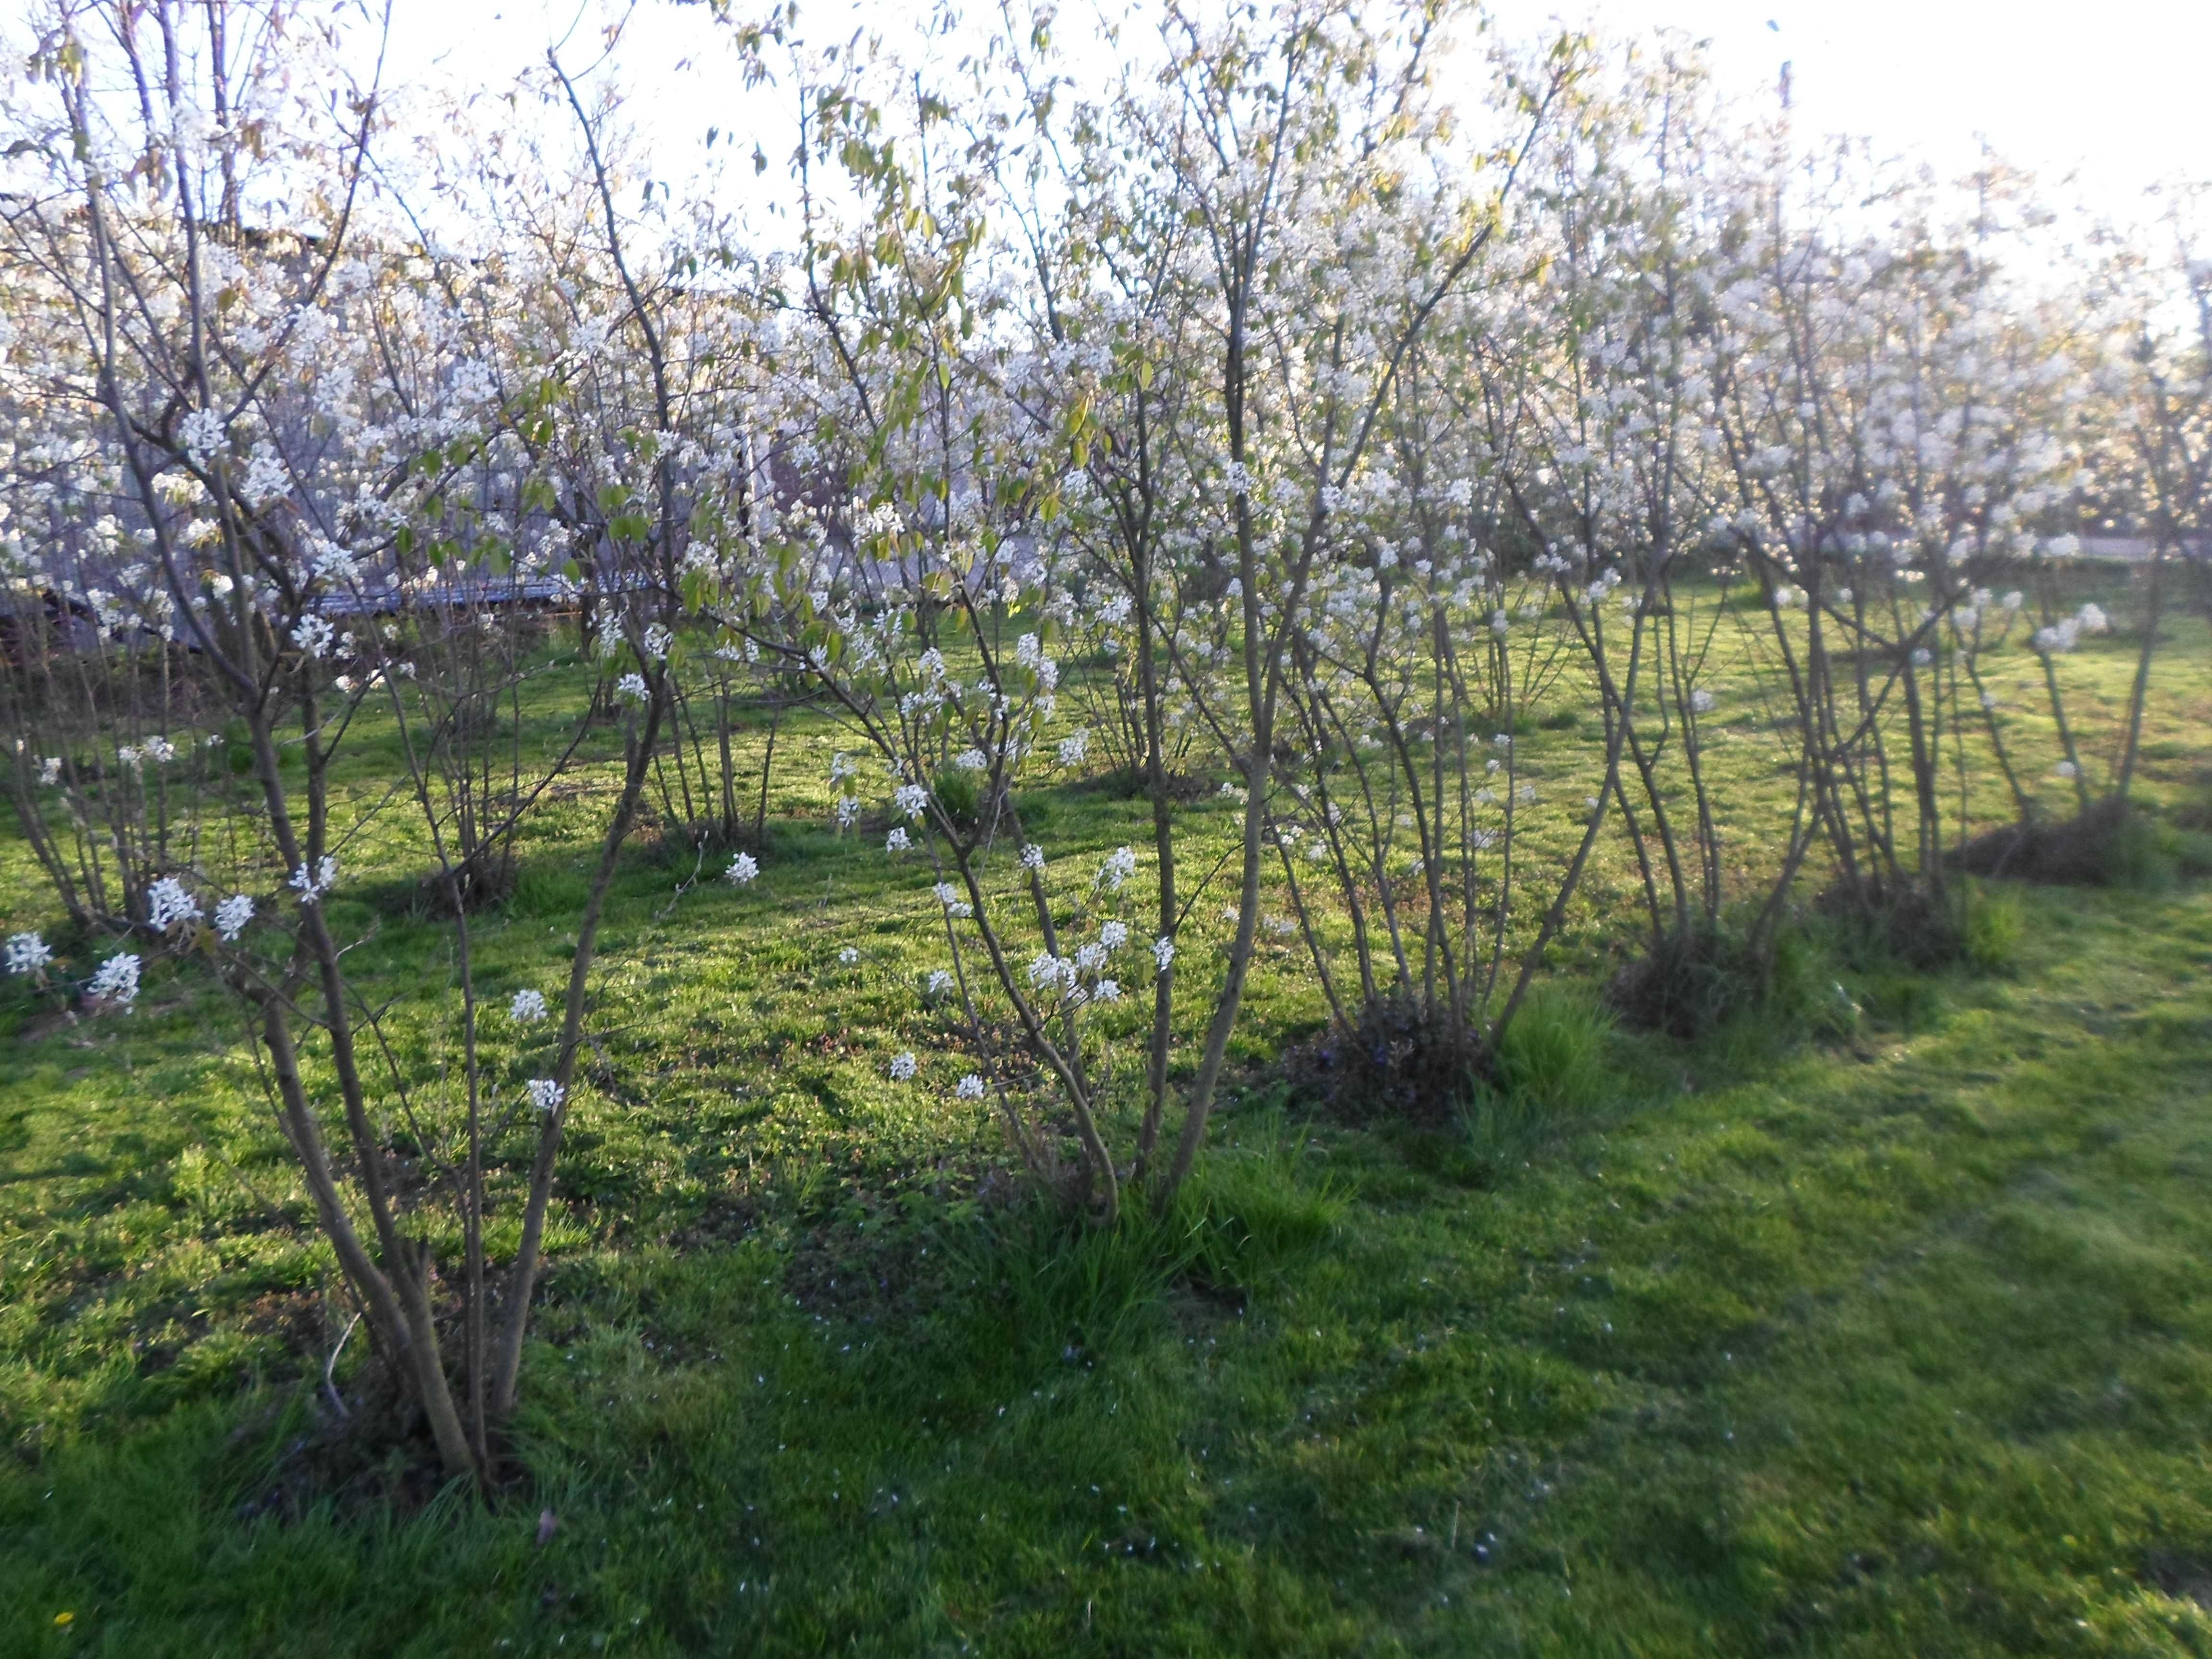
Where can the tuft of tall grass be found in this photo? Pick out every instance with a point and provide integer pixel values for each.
(1549, 1068)
(2149, 854)
(1805, 995)
(960, 795)
(549, 887)
(1695, 984)
(1253, 1212)
(1055, 1289)
(1995, 924)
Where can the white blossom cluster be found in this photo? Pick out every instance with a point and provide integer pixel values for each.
(28, 953)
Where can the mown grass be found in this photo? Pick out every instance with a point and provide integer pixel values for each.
(1895, 1348)
(1889, 1344)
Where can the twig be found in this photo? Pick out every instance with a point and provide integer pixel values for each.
(329, 1365)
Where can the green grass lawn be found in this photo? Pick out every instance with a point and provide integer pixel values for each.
(1897, 1348)
(1889, 1346)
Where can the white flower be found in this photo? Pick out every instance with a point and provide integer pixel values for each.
(1701, 701)
(847, 809)
(1121, 865)
(972, 760)
(474, 381)
(969, 1087)
(743, 868)
(50, 770)
(1163, 953)
(312, 885)
(313, 635)
(631, 688)
(27, 953)
(115, 982)
(902, 1067)
(232, 915)
(1075, 747)
(266, 479)
(657, 641)
(1033, 858)
(332, 562)
(545, 1094)
(949, 896)
(1050, 973)
(912, 799)
(527, 1007)
(169, 905)
(2093, 620)
(1090, 958)
(1106, 991)
(2068, 769)
(1113, 935)
(898, 841)
(941, 982)
(200, 433)
(849, 955)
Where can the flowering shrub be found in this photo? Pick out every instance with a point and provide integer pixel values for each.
(322, 460)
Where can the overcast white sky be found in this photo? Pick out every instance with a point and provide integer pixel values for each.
(2116, 94)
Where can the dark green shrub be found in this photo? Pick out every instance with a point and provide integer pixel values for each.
(1397, 1065)
(2113, 844)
